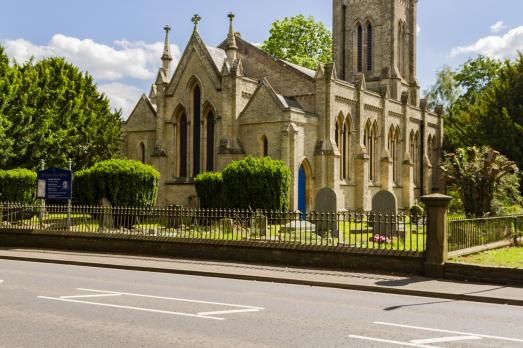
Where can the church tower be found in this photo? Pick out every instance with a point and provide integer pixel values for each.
(377, 39)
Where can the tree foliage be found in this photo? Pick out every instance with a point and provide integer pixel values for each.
(300, 40)
(479, 174)
(50, 110)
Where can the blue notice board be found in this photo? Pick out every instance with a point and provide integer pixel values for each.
(54, 184)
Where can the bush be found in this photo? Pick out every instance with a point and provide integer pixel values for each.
(209, 188)
(257, 183)
(17, 185)
(123, 182)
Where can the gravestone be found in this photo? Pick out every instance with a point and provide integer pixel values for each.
(384, 203)
(326, 203)
(259, 223)
(106, 221)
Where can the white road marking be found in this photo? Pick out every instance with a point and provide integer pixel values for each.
(229, 312)
(105, 293)
(445, 339)
(1, 281)
(89, 296)
(172, 298)
(399, 343)
(450, 331)
(131, 307)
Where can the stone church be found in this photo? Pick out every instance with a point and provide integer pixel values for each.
(356, 125)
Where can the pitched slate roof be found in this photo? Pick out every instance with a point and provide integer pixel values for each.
(218, 56)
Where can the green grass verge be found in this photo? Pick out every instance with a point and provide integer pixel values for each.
(507, 257)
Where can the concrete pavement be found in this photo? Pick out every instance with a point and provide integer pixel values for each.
(383, 283)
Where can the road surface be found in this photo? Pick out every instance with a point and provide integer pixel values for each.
(49, 305)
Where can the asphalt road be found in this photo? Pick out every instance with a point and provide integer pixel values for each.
(47, 305)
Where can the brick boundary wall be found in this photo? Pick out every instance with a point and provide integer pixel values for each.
(240, 251)
(484, 274)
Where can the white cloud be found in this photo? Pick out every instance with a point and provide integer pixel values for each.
(123, 60)
(122, 96)
(137, 60)
(498, 26)
(495, 46)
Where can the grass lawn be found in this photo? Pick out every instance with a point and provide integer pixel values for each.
(507, 257)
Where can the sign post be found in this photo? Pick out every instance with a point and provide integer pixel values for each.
(55, 184)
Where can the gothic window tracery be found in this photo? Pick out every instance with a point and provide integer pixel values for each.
(182, 146)
(210, 129)
(196, 129)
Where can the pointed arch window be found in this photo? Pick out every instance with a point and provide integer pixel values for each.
(182, 146)
(197, 98)
(346, 149)
(370, 42)
(142, 153)
(359, 48)
(210, 142)
(394, 139)
(369, 141)
(414, 154)
(264, 146)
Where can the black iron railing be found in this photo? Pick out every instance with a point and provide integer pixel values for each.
(350, 229)
(468, 233)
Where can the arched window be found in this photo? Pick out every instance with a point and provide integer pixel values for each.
(142, 152)
(370, 42)
(196, 129)
(415, 155)
(402, 43)
(346, 149)
(359, 48)
(182, 146)
(264, 146)
(210, 142)
(370, 138)
(394, 139)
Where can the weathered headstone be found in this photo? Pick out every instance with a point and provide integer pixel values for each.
(106, 221)
(259, 223)
(326, 208)
(385, 209)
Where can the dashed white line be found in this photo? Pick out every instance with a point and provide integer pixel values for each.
(449, 331)
(229, 312)
(89, 296)
(445, 339)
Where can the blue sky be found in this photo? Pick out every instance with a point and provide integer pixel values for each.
(120, 42)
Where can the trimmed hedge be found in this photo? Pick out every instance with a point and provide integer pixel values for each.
(209, 188)
(257, 183)
(124, 182)
(17, 185)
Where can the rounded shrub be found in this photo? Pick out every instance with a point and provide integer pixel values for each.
(257, 183)
(209, 187)
(123, 182)
(17, 185)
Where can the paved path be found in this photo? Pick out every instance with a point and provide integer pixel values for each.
(52, 305)
(407, 285)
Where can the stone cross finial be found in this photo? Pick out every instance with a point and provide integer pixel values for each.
(231, 16)
(231, 40)
(166, 50)
(196, 19)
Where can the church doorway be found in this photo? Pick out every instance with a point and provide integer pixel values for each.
(303, 187)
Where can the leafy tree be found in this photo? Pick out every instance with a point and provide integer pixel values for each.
(50, 110)
(458, 91)
(300, 40)
(479, 174)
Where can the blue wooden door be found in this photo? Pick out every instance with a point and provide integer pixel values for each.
(302, 190)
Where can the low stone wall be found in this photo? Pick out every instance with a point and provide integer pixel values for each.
(255, 252)
(484, 274)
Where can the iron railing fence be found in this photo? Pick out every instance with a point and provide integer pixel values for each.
(467, 233)
(350, 229)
